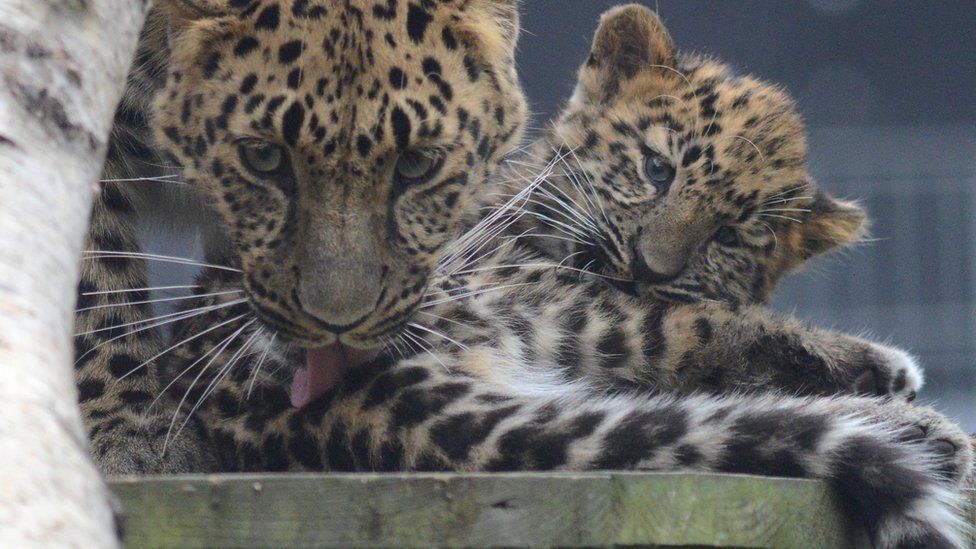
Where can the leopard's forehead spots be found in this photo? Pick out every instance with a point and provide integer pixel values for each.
(737, 139)
(350, 75)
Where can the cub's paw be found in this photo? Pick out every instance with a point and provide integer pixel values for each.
(888, 371)
(140, 447)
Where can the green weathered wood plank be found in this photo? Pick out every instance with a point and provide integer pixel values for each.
(513, 510)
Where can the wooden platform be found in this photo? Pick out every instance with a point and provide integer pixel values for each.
(509, 510)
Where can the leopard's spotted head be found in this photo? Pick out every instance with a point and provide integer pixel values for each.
(686, 180)
(340, 141)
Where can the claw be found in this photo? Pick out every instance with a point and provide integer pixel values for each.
(944, 448)
(914, 433)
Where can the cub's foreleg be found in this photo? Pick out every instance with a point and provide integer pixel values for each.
(712, 347)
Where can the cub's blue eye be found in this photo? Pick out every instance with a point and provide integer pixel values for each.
(727, 236)
(659, 171)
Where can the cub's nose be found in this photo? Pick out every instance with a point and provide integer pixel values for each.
(654, 271)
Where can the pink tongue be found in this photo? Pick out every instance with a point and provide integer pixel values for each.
(319, 374)
(322, 369)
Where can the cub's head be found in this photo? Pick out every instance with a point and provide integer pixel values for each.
(676, 178)
(340, 142)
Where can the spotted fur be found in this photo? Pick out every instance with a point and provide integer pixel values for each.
(507, 365)
(115, 341)
(339, 247)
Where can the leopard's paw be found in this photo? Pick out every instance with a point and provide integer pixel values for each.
(141, 447)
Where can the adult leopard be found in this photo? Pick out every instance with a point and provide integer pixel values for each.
(426, 91)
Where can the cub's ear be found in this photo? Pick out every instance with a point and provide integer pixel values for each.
(830, 223)
(629, 39)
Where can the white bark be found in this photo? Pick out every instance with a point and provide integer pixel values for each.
(62, 70)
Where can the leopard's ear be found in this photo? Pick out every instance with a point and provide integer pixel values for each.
(629, 40)
(493, 25)
(829, 224)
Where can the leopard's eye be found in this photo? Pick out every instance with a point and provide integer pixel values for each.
(416, 165)
(727, 236)
(261, 157)
(659, 171)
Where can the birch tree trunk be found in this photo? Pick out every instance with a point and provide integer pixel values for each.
(62, 71)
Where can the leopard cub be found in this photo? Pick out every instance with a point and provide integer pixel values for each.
(671, 177)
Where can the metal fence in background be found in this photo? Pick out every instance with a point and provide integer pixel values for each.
(913, 282)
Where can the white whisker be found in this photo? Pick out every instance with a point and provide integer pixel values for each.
(206, 367)
(221, 375)
(782, 200)
(187, 369)
(155, 179)
(148, 289)
(804, 210)
(184, 342)
(445, 319)
(471, 243)
(473, 293)
(589, 181)
(425, 347)
(543, 235)
(101, 254)
(202, 310)
(179, 316)
(772, 232)
(438, 334)
(782, 217)
(257, 369)
(792, 189)
(149, 301)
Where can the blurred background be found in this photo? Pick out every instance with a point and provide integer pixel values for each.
(888, 89)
